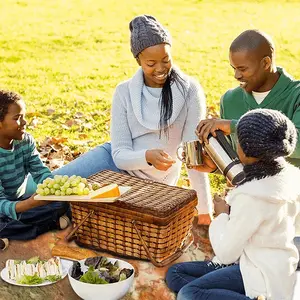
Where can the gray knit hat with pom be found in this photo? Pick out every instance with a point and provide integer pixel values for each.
(146, 31)
(266, 134)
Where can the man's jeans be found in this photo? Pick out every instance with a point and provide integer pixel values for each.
(33, 222)
(206, 280)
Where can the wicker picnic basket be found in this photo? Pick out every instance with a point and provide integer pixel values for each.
(151, 221)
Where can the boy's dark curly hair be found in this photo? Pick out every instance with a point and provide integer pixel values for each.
(6, 99)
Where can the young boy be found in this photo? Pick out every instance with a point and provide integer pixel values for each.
(22, 217)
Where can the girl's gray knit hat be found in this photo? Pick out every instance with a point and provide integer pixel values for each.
(146, 31)
(266, 134)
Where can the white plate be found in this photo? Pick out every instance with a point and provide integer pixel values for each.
(123, 189)
(65, 264)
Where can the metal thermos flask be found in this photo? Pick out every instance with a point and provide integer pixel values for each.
(226, 159)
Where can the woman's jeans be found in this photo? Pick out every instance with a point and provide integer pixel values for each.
(206, 280)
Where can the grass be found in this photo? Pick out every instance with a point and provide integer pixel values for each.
(69, 55)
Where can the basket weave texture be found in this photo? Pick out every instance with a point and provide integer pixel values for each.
(162, 214)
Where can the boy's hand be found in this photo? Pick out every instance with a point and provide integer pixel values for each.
(159, 159)
(30, 203)
(205, 127)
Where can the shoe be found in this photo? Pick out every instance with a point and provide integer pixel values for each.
(64, 222)
(3, 243)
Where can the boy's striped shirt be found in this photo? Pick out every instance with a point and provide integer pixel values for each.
(15, 165)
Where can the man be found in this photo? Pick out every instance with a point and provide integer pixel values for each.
(262, 85)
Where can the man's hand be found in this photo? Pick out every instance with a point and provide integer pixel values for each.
(159, 159)
(207, 166)
(205, 127)
(220, 205)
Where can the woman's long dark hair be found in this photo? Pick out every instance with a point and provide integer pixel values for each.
(166, 100)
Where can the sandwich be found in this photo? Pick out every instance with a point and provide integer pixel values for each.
(34, 270)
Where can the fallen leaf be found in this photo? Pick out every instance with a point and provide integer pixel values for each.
(87, 125)
(50, 111)
(79, 143)
(55, 163)
(78, 115)
(59, 140)
(34, 123)
(83, 136)
(70, 123)
(77, 121)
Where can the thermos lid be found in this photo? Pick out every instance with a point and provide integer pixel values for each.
(239, 178)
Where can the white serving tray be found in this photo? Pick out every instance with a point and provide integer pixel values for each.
(86, 198)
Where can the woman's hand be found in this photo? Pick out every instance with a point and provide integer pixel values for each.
(159, 159)
(220, 206)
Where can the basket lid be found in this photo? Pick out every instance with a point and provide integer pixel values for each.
(146, 196)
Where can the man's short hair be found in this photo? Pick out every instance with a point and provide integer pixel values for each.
(252, 40)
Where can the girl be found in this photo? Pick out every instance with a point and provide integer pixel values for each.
(259, 230)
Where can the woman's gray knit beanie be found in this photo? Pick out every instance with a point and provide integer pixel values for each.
(146, 31)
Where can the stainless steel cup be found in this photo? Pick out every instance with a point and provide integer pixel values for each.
(192, 150)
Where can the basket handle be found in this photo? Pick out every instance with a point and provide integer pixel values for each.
(169, 259)
(69, 236)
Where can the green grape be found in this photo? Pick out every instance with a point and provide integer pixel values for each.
(52, 191)
(40, 186)
(86, 191)
(44, 185)
(67, 184)
(57, 193)
(57, 178)
(74, 183)
(50, 185)
(78, 178)
(72, 177)
(46, 191)
(65, 178)
(69, 191)
(75, 190)
(84, 180)
(40, 191)
(47, 180)
(81, 185)
(80, 192)
(95, 186)
(63, 188)
(62, 193)
(56, 186)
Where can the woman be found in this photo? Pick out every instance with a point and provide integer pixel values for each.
(255, 237)
(152, 114)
